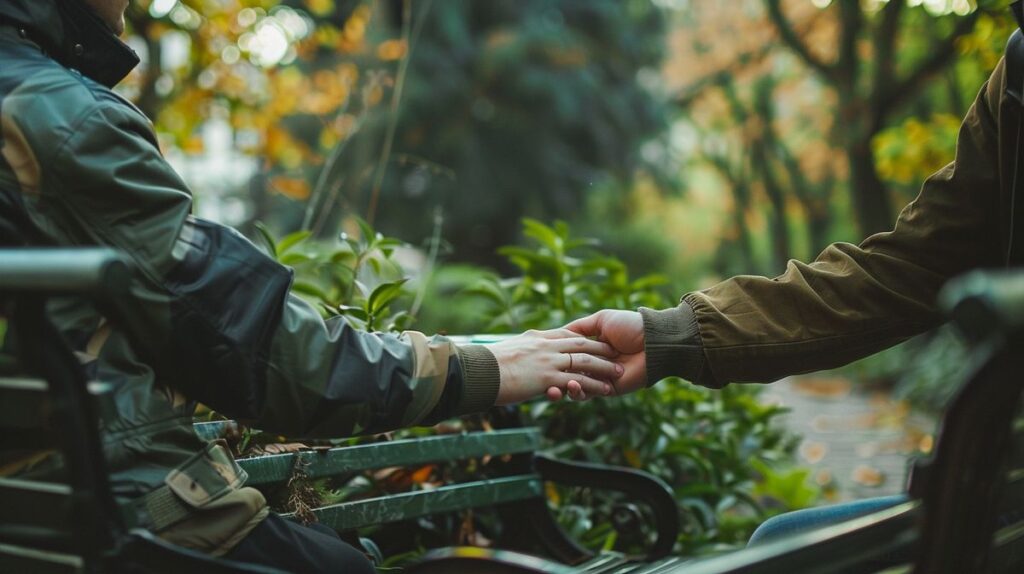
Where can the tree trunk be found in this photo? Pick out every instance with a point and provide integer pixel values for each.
(818, 225)
(741, 200)
(870, 196)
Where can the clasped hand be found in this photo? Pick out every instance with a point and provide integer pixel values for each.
(536, 361)
(599, 355)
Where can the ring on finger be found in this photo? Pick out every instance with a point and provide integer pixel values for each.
(570, 362)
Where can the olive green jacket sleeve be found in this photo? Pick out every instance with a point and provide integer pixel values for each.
(215, 315)
(851, 301)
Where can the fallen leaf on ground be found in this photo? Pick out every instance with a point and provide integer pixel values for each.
(282, 448)
(813, 451)
(868, 476)
(822, 388)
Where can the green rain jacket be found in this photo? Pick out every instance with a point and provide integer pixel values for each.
(80, 166)
(854, 300)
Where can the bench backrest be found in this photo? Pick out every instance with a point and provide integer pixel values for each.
(50, 405)
(47, 405)
(279, 468)
(966, 512)
(972, 486)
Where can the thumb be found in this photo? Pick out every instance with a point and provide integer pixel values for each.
(589, 326)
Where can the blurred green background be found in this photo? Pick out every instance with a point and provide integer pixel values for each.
(465, 166)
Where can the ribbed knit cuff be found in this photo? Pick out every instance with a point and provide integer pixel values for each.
(480, 380)
(672, 344)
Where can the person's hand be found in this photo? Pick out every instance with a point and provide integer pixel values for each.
(537, 361)
(624, 331)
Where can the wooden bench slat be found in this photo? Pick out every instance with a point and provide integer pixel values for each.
(604, 563)
(20, 559)
(31, 504)
(26, 403)
(404, 506)
(663, 566)
(406, 452)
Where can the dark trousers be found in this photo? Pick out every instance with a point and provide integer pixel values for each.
(302, 549)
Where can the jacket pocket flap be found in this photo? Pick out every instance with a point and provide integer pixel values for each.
(206, 476)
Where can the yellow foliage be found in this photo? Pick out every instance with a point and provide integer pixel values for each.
(391, 50)
(320, 7)
(552, 491)
(193, 145)
(295, 188)
(910, 152)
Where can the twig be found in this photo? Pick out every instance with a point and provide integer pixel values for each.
(435, 247)
(409, 36)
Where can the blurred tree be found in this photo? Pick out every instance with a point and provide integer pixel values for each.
(762, 128)
(886, 54)
(490, 110)
(293, 80)
(514, 108)
(794, 139)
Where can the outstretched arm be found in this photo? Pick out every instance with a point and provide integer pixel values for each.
(850, 302)
(220, 325)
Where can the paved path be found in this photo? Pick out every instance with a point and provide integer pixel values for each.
(858, 442)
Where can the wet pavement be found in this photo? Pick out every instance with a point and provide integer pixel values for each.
(857, 441)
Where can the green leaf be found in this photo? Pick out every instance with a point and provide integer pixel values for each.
(291, 240)
(361, 287)
(375, 265)
(353, 311)
(343, 256)
(268, 238)
(390, 242)
(402, 321)
(293, 259)
(529, 257)
(488, 289)
(542, 233)
(383, 295)
(649, 281)
(311, 289)
(369, 235)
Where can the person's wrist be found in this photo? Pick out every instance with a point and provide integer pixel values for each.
(481, 379)
(672, 345)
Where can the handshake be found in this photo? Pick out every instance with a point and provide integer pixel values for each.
(599, 355)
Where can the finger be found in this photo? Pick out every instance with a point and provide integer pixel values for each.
(560, 333)
(574, 387)
(580, 345)
(587, 326)
(578, 395)
(597, 367)
(589, 385)
(554, 394)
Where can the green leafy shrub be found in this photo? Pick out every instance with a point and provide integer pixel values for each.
(356, 278)
(563, 277)
(718, 450)
(721, 452)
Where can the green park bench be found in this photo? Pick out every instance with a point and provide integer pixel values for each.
(966, 512)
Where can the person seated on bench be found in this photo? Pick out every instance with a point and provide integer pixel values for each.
(82, 167)
(853, 300)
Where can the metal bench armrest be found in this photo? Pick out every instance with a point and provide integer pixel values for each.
(641, 486)
(63, 271)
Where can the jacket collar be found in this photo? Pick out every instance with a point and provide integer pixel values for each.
(70, 33)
